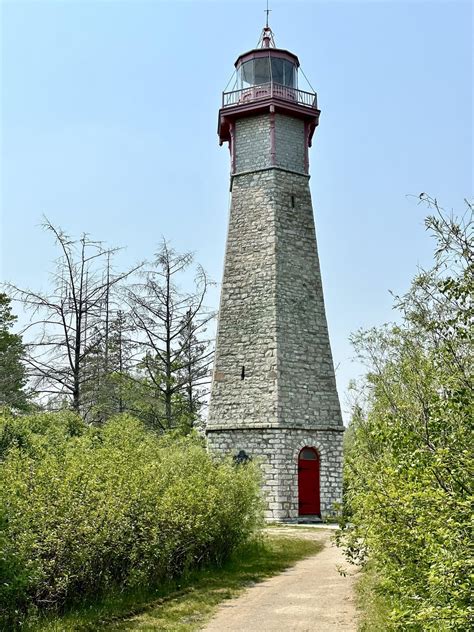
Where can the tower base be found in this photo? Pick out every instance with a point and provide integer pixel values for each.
(278, 450)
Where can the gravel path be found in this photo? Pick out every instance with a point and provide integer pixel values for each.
(309, 597)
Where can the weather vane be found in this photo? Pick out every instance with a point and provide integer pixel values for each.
(266, 38)
(267, 11)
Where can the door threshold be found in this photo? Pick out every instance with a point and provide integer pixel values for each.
(309, 519)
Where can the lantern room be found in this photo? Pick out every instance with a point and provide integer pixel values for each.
(266, 65)
(266, 79)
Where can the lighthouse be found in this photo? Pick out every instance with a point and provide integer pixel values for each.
(273, 396)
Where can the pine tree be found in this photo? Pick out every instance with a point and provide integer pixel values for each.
(12, 370)
(169, 326)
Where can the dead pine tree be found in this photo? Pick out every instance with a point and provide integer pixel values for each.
(69, 323)
(171, 325)
(194, 363)
(114, 361)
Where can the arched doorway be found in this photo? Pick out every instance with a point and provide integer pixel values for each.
(308, 483)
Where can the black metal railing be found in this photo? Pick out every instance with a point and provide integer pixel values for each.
(268, 91)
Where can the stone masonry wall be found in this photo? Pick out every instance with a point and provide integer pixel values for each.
(247, 317)
(274, 388)
(272, 328)
(277, 453)
(307, 392)
(248, 153)
(289, 143)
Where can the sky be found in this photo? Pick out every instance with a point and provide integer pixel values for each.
(109, 117)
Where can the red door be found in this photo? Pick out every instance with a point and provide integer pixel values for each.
(308, 482)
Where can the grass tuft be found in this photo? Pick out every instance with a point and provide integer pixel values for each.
(374, 606)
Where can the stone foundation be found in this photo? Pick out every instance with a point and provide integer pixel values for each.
(277, 450)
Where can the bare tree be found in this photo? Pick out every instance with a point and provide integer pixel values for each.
(70, 323)
(171, 326)
(113, 389)
(195, 361)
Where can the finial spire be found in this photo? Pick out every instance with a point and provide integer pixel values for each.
(267, 39)
(267, 11)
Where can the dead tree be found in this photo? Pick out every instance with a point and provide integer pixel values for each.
(171, 330)
(194, 364)
(70, 323)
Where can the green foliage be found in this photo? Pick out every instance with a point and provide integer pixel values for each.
(373, 603)
(186, 604)
(409, 462)
(12, 371)
(87, 509)
(140, 396)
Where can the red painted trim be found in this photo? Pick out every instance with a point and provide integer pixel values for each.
(312, 128)
(265, 52)
(230, 114)
(306, 147)
(280, 104)
(272, 136)
(232, 146)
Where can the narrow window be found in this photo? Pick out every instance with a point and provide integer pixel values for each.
(292, 201)
(242, 374)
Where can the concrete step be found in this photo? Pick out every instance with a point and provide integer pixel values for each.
(308, 519)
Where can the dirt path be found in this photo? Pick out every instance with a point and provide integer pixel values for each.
(309, 597)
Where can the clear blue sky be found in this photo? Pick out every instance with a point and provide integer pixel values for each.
(109, 113)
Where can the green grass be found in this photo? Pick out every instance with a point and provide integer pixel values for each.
(185, 606)
(373, 605)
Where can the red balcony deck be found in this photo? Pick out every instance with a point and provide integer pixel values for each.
(269, 90)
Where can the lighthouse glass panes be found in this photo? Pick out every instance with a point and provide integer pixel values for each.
(267, 69)
(283, 72)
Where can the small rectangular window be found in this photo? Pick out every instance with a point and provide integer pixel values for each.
(242, 374)
(292, 201)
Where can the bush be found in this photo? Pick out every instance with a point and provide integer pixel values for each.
(86, 509)
(408, 457)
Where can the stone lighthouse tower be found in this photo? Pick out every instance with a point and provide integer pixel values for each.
(274, 395)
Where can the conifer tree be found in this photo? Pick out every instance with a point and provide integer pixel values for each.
(12, 370)
(170, 325)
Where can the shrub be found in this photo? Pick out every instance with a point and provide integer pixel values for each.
(408, 460)
(87, 509)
